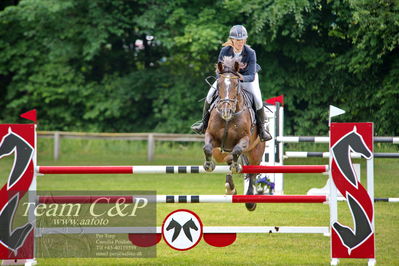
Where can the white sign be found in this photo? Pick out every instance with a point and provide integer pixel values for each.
(182, 229)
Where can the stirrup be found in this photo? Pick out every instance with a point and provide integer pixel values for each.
(198, 127)
(267, 136)
(264, 135)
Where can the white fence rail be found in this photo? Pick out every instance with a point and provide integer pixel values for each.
(151, 138)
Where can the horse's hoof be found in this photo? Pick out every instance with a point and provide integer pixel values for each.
(209, 166)
(235, 168)
(250, 206)
(230, 191)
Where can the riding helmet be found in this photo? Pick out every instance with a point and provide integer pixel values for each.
(238, 32)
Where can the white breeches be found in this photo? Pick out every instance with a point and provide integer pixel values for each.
(252, 87)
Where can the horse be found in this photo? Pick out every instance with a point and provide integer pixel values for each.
(231, 133)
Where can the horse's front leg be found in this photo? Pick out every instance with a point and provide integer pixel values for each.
(237, 151)
(209, 164)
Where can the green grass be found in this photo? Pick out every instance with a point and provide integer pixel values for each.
(261, 249)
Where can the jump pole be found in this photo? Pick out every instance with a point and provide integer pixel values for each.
(184, 199)
(196, 199)
(305, 154)
(207, 230)
(325, 139)
(36, 171)
(158, 169)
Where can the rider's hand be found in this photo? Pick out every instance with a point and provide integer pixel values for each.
(240, 76)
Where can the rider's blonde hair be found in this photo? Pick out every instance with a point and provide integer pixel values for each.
(229, 42)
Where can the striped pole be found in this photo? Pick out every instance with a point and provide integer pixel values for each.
(396, 200)
(159, 169)
(185, 199)
(386, 200)
(324, 139)
(294, 139)
(304, 154)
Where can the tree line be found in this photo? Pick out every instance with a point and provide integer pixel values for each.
(140, 65)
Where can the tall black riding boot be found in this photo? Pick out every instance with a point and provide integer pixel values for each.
(264, 135)
(202, 126)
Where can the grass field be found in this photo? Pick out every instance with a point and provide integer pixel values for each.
(249, 249)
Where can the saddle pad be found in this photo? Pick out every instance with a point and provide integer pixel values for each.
(249, 102)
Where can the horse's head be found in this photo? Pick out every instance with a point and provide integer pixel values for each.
(228, 85)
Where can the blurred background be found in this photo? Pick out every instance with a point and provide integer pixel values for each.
(140, 65)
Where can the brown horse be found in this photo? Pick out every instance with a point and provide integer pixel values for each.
(231, 132)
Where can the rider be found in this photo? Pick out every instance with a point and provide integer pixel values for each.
(235, 46)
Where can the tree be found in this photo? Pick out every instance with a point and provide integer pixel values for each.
(140, 65)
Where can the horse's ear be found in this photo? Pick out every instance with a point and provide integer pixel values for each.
(220, 67)
(236, 66)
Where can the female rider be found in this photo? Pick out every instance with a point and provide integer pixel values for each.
(236, 47)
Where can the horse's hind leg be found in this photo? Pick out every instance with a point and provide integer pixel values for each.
(230, 187)
(249, 189)
(254, 158)
(249, 185)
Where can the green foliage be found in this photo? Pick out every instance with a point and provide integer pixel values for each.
(331, 52)
(77, 63)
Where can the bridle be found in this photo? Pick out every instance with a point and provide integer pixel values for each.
(225, 100)
(232, 105)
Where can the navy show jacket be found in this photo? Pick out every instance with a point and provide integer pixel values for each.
(248, 57)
